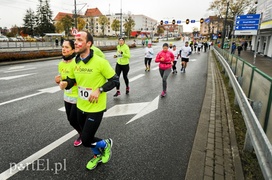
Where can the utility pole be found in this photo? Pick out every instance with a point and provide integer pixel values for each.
(224, 30)
(121, 21)
(75, 16)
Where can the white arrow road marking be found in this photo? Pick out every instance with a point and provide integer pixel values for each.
(191, 60)
(14, 77)
(125, 109)
(62, 109)
(26, 162)
(16, 70)
(46, 90)
(150, 107)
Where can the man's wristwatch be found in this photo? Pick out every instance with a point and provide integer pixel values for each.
(101, 89)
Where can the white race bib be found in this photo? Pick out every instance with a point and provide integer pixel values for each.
(84, 93)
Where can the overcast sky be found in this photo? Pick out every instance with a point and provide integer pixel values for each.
(13, 11)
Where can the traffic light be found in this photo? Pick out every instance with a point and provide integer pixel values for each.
(173, 21)
(161, 22)
(201, 20)
(187, 21)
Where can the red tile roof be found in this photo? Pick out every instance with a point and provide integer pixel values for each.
(93, 12)
(61, 15)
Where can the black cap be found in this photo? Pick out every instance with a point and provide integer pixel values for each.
(165, 44)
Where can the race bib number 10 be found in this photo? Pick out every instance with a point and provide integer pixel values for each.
(84, 93)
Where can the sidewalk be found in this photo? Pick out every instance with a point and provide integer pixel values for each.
(215, 153)
(261, 62)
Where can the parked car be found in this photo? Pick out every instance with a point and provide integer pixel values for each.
(20, 38)
(3, 38)
(13, 39)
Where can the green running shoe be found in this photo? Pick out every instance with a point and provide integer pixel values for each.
(94, 162)
(106, 154)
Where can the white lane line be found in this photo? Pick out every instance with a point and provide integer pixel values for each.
(26, 162)
(17, 67)
(50, 89)
(46, 90)
(16, 70)
(155, 68)
(18, 99)
(14, 77)
(136, 77)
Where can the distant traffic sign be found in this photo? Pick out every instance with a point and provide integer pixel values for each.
(165, 22)
(178, 21)
(256, 22)
(207, 20)
(192, 21)
(248, 16)
(74, 31)
(248, 23)
(249, 27)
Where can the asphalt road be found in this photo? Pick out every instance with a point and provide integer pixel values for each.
(152, 136)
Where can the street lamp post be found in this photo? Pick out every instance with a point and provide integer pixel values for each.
(224, 30)
(121, 23)
(75, 15)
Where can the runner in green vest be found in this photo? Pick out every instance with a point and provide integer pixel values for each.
(94, 77)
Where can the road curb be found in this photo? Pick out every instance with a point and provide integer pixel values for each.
(215, 153)
(196, 166)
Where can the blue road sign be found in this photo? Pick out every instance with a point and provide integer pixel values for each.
(244, 22)
(192, 21)
(178, 21)
(165, 22)
(248, 24)
(207, 20)
(248, 27)
(248, 16)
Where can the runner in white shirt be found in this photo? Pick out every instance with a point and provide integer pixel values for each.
(176, 54)
(184, 53)
(148, 56)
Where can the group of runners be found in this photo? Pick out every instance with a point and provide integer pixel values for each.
(85, 76)
(167, 59)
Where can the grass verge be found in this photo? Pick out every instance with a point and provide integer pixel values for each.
(249, 160)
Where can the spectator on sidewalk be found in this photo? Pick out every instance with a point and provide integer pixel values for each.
(239, 48)
(245, 45)
(233, 48)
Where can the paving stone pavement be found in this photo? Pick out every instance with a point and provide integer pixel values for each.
(215, 153)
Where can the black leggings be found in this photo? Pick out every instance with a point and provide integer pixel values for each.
(174, 65)
(89, 123)
(71, 112)
(147, 61)
(122, 68)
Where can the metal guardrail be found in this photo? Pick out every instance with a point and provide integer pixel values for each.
(256, 136)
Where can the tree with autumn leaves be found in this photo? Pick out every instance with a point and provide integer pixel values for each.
(235, 7)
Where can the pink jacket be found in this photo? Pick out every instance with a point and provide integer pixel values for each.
(168, 57)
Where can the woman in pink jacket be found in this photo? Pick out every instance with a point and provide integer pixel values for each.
(165, 58)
